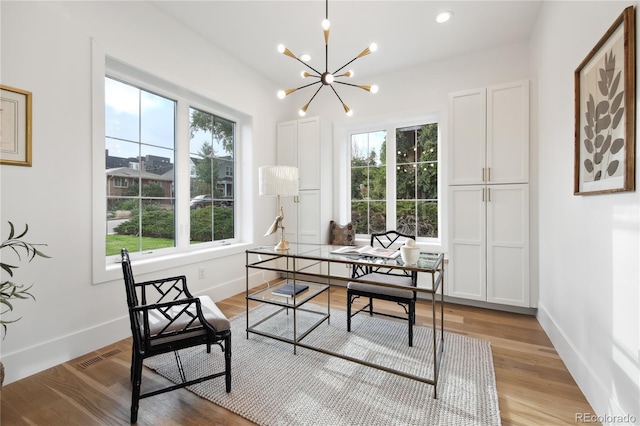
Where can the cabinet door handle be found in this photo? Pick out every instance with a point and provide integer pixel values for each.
(483, 175)
(489, 194)
(489, 174)
(483, 195)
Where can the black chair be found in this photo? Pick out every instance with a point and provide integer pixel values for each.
(380, 274)
(165, 317)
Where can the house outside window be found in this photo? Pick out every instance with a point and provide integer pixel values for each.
(140, 146)
(211, 148)
(141, 153)
(394, 180)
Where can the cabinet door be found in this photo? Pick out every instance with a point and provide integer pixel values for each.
(287, 143)
(467, 137)
(302, 217)
(508, 133)
(309, 217)
(508, 244)
(467, 264)
(309, 153)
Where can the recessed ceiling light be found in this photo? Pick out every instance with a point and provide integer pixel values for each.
(443, 17)
(305, 57)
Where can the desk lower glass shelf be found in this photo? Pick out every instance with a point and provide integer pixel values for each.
(270, 294)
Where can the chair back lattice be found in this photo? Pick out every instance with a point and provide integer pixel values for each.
(168, 300)
(385, 240)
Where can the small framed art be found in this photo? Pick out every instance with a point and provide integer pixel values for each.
(15, 126)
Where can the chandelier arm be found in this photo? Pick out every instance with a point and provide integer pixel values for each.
(345, 65)
(314, 95)
(334, 91)
(347, 84)
(367, 88)
(307, 85)
(308, 66)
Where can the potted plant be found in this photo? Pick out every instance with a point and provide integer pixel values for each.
(10, 290)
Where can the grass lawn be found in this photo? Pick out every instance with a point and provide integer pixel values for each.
(132, 243)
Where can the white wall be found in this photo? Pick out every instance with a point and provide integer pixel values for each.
(47, 49)
(589, 245)
(50, 55)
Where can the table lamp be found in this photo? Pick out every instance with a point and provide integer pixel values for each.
(278, 181)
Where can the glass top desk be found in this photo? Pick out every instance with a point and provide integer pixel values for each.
(316, 266)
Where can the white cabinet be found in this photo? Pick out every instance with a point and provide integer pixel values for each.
(489, 135)
(298, 144)
(489, 250)
(489, 194)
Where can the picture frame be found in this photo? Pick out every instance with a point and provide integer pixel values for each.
(605, 98)
(15, 126)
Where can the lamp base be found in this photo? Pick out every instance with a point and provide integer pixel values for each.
(283, 245)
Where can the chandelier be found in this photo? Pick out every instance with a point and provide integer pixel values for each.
(326, 78)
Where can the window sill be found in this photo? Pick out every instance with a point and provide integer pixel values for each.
(144, 265)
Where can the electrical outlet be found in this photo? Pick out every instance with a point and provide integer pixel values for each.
(201, 272)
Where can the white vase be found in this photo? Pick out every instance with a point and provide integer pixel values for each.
(410, 255)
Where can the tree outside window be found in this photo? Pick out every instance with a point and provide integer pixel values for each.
(412, 174)
(212, 145)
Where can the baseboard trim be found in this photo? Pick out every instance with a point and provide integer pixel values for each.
(29, 361)
(595, 391)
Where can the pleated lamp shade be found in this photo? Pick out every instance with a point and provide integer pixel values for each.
(278, 180)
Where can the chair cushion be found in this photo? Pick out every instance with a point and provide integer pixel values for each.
(211, 312)
(383, 278)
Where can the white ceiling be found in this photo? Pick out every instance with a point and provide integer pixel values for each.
(405, 31)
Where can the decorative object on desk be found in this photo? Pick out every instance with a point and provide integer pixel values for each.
(278, 181)
(15, 122)
(410, 252)
(342, 235)
(274, 386)
(289, 289)
(327, 78)
(382, 252)
(605, 112)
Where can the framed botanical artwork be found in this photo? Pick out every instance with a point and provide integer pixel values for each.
(605, 98)
(15, 126)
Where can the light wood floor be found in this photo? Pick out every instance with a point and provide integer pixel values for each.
(534, 386)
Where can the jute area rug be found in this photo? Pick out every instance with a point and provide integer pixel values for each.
(272, 386)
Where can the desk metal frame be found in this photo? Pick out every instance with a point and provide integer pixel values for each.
(316, 254)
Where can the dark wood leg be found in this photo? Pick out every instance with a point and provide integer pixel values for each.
(136, 383)
(227, 362)
(349, 301)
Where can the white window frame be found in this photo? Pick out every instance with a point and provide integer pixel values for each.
(107, 269)
(342, 152)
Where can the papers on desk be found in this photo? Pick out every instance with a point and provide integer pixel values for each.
(385, 253)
